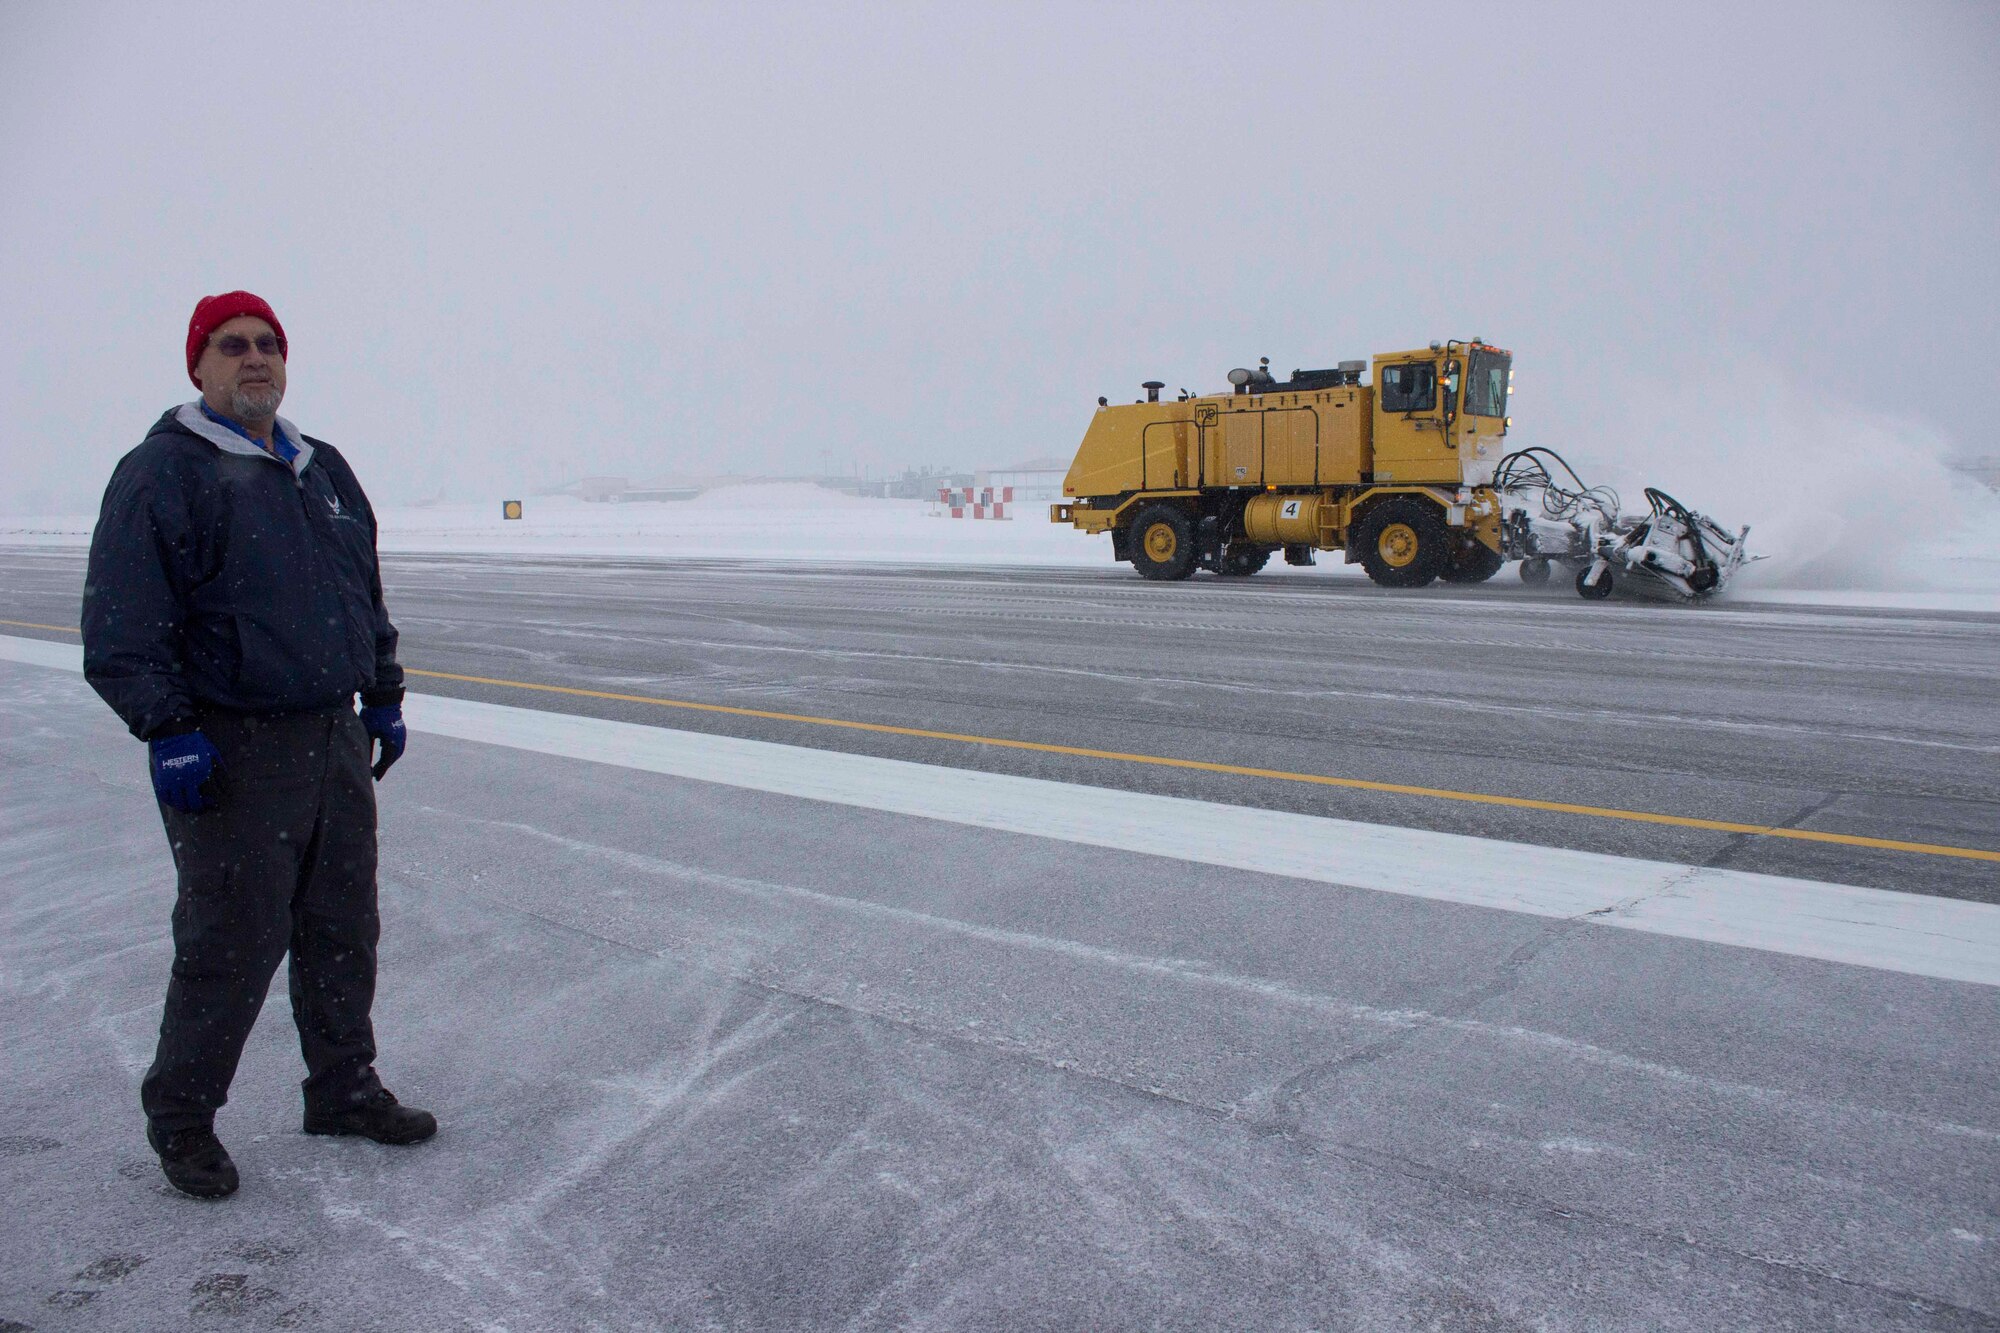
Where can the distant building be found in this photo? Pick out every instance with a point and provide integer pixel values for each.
(598, 489)
(1033, 482)
(914, 484)
(1985, 469)
(1036, 481)
(618, 490)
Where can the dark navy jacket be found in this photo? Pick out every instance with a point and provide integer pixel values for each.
(221, 578)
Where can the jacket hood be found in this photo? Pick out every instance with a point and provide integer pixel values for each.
(189, 419)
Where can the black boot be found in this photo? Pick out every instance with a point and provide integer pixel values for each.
(376, 1116)
(195, 1161)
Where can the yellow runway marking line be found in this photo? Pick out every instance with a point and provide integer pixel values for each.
(1239, 770)
(1207, 766)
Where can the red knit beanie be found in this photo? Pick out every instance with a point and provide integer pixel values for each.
(212, 312)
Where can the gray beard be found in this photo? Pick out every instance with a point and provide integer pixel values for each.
(259, 400)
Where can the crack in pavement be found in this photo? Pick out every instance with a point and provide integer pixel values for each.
(1287, 1098)
(1736, 844)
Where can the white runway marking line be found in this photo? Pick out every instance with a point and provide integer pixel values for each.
(1898, 932)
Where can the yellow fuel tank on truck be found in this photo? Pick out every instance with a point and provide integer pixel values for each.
(1394, 469)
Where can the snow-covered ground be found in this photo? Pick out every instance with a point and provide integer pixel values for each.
(799, 1039)
(780, 521)
(776, 521)
(1957, 568)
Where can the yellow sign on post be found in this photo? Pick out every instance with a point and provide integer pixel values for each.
(510, 509)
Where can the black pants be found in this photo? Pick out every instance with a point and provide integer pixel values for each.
(283, 861)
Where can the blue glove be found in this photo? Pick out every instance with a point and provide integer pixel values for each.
(384, 722)
(181, 764)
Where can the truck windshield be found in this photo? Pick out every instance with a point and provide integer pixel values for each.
(1486, 385)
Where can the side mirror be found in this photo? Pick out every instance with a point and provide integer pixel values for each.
(1448, 388)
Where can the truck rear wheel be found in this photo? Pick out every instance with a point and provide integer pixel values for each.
(1163, 542)
(1474, 562)
(1401, 542)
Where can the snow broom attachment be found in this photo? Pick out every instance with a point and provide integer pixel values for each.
(1550, 517)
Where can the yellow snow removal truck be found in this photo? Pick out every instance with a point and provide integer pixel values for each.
(1397, 473)
(1408, 475)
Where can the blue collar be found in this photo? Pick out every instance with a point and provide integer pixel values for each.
(280, 448)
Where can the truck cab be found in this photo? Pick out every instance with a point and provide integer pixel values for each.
(1440, 414)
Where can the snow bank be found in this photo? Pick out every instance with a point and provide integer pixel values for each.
(777, 521)
(1853, 512)
(782, 521)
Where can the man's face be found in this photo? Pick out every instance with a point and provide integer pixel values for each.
(248, 385)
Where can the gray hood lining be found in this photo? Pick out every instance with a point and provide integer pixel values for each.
(227, 440)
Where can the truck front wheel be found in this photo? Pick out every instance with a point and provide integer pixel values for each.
(1163, 542)
(1402, 542)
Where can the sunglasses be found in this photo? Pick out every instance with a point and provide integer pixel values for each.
(235, 344)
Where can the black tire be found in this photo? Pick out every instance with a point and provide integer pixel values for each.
(1163, 542)
(1402, 542)
(1474, 562)
(1240, 559)
(1597, 591)
(1535, 571)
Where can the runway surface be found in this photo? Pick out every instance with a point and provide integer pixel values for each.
(715, 1056)
(1875, 724)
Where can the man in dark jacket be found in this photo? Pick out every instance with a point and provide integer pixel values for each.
(232, 613)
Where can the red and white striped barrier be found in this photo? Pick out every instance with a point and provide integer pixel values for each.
(983, 502)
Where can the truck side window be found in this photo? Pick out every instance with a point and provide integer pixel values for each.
(1410, 387)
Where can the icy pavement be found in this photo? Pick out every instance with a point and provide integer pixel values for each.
(708, 1056)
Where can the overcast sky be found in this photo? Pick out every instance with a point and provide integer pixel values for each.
(513, 244)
